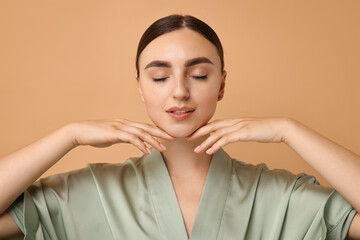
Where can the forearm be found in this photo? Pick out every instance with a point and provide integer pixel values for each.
(20, 169)
(339, 166)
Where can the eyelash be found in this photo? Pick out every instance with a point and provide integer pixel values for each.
(163, 79)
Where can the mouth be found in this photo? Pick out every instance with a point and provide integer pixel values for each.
(180, 115)
(177, 109)
(180, 112)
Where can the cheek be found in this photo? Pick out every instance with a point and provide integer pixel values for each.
(207, 96)
(151, 95)
(206, 103)
(154, 103)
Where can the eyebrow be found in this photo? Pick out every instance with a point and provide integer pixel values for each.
(188, 63)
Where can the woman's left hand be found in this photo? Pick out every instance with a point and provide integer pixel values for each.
(225, 131)
(338, 165)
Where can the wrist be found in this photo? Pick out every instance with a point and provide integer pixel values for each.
(289, 129)
(69, 131)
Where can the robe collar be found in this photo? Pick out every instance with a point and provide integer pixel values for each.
(167, 209)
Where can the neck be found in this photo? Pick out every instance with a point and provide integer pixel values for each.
(182, 161)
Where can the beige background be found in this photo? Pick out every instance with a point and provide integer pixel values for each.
(64, 61)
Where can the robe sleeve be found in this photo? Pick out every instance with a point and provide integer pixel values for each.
(337, 219)
(58, 207)
(318, 212)
(334, 213)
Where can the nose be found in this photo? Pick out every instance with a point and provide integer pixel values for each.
(181, 89)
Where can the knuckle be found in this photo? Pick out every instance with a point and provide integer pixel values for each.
(245, 128)
(245, 134)
(212, 128)
(142, 132)
(224, 139)
(118, 125)
(138, 142)
(132, 137)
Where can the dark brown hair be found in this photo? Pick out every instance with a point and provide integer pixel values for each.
(176, 22)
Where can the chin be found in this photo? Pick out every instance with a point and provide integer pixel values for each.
(178, 132)
(181, 129)
(180, 135)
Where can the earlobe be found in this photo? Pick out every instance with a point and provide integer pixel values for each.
(221, 95)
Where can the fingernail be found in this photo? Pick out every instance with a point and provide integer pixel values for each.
(209, 151)
(148, 150)
(197, 149)
(162, 146)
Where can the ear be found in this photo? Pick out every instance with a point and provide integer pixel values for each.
(222, 86)
(140, 91)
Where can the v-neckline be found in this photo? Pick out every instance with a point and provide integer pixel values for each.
(167, 209)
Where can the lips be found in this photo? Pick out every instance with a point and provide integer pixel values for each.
(183, 109)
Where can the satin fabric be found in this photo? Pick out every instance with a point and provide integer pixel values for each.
(136, 200)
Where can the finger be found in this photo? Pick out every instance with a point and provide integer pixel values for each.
(140, 133)
(224, 140)
(202, 131)
(243, 135)
(154, 130)
(158, 132)
(146, 137)
(215, 137)
(212, 127)
(134, 140)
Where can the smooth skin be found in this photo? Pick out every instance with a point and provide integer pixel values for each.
(339, 166)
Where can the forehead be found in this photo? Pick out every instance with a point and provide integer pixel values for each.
(177, 47)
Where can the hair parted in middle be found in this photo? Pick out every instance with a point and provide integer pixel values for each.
(176, 22)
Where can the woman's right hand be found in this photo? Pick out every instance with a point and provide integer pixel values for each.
(33, 160)
(104, 133)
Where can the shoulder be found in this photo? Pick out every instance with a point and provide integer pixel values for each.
(131, 165)
(132, 162)
(60, 181)
(127, 173)
(279, 179)
(84, 177)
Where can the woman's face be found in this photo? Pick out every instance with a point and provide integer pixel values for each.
(180, 69)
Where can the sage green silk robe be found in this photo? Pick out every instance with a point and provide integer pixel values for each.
(136, 200)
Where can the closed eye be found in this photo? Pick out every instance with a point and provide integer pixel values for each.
(159, 79)
(200, 77)
(163, 79)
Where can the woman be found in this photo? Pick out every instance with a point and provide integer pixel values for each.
(186, 184)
